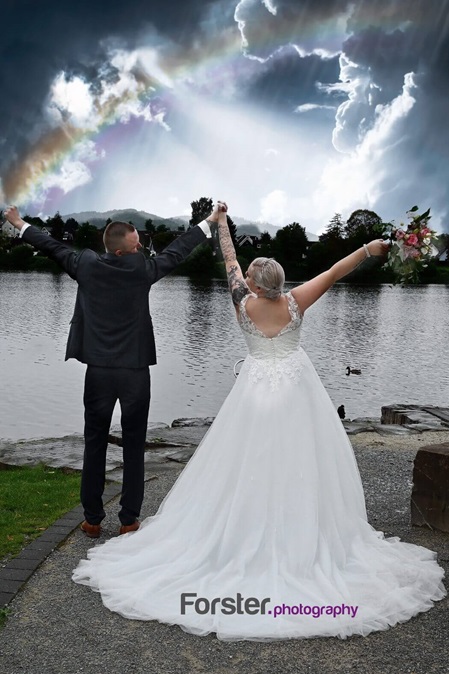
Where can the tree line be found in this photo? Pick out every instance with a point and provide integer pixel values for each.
(302, 259)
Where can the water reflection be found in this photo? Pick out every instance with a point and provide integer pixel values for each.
(396, 336)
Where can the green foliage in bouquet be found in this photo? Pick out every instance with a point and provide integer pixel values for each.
(412, 246)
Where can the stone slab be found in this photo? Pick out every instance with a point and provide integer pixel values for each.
(430, 493)
(410, 414)
(20, 563)
(182, 456)
(191, 422)
(352, 428)
(36, 555)
(10, 586)
(5, 598)
(38, 544)
(9, 573)
(393, 429)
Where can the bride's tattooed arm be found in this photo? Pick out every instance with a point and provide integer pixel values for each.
(236, 282)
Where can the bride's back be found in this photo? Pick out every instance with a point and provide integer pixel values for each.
(269, 316)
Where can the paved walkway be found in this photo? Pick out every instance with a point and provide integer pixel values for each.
(58, 627)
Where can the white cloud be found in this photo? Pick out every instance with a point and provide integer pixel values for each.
(73, 171)
(270, 6)
(309, 107)
(71, 100)
(363, 177)
(71, 174)
(266, 27)
(273, 207)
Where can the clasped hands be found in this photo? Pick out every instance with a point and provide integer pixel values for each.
(220, 207)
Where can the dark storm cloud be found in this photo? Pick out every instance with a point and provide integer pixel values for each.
(40, 39)
(287, 81)
(292, 45)
(393, 53)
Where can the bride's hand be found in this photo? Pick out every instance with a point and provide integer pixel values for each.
(378, 247)
(213, 217)
(222, 207)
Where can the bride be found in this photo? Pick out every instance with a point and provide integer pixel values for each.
(265, 534)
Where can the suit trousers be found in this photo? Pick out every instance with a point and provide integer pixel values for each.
(103, 386)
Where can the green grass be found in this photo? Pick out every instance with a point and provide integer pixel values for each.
(31, 499)
(4, 613)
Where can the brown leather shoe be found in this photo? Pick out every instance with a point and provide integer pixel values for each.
(91, 530)
(126, 528)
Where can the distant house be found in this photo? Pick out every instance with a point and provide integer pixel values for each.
(9, 230)
(146, 241)
(248, 240)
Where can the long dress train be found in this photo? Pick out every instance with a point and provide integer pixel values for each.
(265, 535)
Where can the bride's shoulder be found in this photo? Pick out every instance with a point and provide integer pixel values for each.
(240, 308)
(294, 299)
(249, 297)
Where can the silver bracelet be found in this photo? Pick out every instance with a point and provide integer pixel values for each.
(367, 253)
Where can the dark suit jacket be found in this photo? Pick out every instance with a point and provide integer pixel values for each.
(111, 324)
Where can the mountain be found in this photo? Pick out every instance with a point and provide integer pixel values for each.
(138, 219)
(245, 226)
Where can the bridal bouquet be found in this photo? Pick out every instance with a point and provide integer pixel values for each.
(412, 246)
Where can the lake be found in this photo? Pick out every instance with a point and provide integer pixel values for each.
(397, 336)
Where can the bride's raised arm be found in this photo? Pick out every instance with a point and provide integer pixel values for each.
(310, 291)
(236, 281)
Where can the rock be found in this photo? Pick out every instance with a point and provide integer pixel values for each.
(201, 421)
(183, 456)
(352, 428)
(427, 426)
(394, 429)
(415, 414)
(441, 413)
(396, 414)
(430, 493)
(116, 429)
(365, 420)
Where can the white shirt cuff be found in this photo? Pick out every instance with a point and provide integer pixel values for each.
(23, 229)
(204, 225)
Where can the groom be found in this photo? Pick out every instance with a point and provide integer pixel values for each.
(111, 331)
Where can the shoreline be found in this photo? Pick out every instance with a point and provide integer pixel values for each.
(412, 426)
(55, 610)
(169, 448)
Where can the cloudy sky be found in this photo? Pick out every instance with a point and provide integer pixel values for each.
(288, 109)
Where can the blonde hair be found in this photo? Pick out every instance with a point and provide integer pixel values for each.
(268, 275)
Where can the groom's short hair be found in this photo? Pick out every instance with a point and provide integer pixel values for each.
(114, 234)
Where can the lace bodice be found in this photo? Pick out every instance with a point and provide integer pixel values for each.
(273, 357)
(280, 346)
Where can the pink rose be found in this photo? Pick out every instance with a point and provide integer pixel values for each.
(412, 240)
(410, 252)
(415, 254)
(400, 234)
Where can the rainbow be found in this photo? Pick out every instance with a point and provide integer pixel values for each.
(46, 156)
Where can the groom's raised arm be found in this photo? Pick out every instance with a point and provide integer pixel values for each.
(162, 264)
(60, 252)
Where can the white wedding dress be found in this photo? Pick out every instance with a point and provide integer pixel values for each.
(270, 506)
